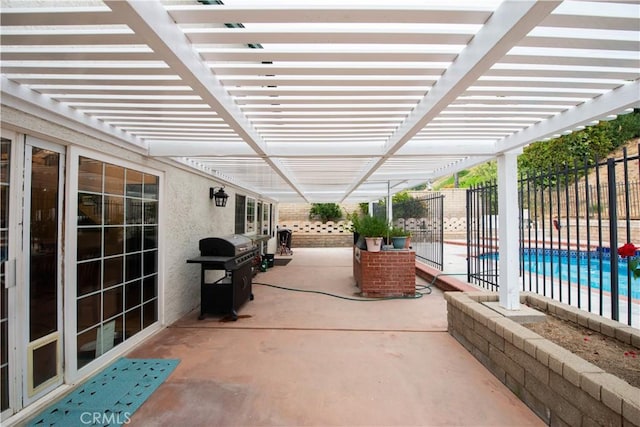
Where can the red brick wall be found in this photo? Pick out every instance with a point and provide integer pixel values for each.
(385, 273)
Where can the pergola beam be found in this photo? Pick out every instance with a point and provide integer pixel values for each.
(509, 24)
(152, 22)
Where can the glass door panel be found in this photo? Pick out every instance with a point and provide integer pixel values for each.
(44, 358)
(5, 150)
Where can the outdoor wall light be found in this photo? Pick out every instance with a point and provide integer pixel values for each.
(220, 196)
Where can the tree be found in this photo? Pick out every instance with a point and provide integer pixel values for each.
(404, 206)
(325, 211)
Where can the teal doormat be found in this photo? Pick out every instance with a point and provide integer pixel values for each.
(110, 397)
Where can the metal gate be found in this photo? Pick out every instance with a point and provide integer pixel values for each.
(427, 231)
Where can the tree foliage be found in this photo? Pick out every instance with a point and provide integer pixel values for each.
(325, 211)
(404, 206)
(588, 145)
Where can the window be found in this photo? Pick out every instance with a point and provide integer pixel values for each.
(240, 214)
(266, 225)
(117, 256)
(251, 216)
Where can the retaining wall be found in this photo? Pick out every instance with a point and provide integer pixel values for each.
(560, 387)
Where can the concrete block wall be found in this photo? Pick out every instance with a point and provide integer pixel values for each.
(385, 273)
(302, 240)
(560, 387)
(300, 211)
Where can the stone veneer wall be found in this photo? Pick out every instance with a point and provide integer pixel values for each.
(386, 273)
(559, 386)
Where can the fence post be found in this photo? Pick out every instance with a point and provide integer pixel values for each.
(613, 236)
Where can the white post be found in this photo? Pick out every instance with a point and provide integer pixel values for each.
(389, 205)
(508, 230)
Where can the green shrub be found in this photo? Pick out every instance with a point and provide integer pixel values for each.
(325, 211)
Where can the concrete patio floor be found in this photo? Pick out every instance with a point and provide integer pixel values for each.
(305, 359)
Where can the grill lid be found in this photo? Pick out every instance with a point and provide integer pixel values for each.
(231, 245)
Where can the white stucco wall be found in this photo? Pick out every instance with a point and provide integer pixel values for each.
(189, 216)
(186, 212)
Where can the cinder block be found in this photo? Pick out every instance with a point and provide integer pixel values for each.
(615, 391)
(626, 333)
(491, 337)
(589, 406)
(547, 352)
(631, 411)
(520, 334)
(574, 367)
(514, 370)
(592, 384)
(531, 366)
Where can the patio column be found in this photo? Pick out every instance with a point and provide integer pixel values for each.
(389, 205)
(508, 230)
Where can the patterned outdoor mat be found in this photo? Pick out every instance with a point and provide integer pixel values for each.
(111, 397)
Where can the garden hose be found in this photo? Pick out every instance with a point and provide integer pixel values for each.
(417, 295)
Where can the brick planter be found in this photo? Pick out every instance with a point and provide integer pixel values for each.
(560, 387)
(386, 273)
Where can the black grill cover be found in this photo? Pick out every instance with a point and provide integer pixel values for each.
(232, 245)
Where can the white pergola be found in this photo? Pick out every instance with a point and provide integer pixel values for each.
(326, 101)
(322, 101)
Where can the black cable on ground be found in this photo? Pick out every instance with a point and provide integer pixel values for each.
(416, 295)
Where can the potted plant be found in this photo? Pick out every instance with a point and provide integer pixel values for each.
(398, 237)
(373, 229)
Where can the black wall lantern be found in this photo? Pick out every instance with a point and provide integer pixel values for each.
(220, 196)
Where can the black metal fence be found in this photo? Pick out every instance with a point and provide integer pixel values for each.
(572, 221)
(427, 231)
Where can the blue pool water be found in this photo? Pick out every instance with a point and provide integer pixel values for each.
(565, 265)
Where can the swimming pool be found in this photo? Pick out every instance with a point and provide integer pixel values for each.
(583, 268)
(568, 265)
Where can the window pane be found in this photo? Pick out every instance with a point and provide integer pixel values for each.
(88, 311)
(113, 271)
(45, 364)
(251, 215)
(4, 206)
(134, 239)
(114, 179)
(239, 214)
(150, 237)
(134, 211)
(87, 347)
(89, 175)
(150, 288)
(112, 302)
(132, 322)
(4, 344)
(150, 262)
(150, 313)
(134, 267)
(150, 212)
(113, 210)
(134, 183)
(89, 277)
(133, 294)
(89, 243)
(151, 187)
(113, 241)
(89, 209)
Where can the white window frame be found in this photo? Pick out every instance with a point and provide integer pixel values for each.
(72, 373)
